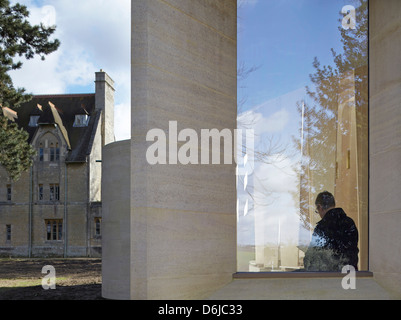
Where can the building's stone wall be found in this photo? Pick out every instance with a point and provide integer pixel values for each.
(78, 203)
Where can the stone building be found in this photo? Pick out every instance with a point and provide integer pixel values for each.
(54, 209)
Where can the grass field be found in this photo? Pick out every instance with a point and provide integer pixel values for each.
(75, 279)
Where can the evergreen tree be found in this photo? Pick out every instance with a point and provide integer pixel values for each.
(18, 38)
(15, 152)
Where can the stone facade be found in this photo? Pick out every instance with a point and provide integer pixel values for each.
(54, 209)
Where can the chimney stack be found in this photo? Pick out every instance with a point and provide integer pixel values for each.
(104, 99)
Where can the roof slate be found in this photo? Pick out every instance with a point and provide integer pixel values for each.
(67, 106)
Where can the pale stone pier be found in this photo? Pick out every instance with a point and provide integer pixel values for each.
(178, 238)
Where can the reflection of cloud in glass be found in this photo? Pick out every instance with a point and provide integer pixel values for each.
(275, 122)
(274, 185)
(277, 176)
(274, 214)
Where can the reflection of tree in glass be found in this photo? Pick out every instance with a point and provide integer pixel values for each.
(330, 88)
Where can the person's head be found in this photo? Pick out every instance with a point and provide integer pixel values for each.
(324, 202)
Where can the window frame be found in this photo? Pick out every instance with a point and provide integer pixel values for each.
(54, 230)
(328, 274)
(34, 121)
(8, 233)
(52, 154)
(98, 226)
(40, 192)
(54, 192)
(41, 154)
(81, 120)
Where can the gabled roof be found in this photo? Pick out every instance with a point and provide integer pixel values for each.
(79, 139)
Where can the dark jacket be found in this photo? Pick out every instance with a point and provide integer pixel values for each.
(334, 243)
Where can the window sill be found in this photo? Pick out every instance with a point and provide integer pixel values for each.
(294, 275)
(48, 202)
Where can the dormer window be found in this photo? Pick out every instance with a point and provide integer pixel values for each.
(81, 120)
(33, 121)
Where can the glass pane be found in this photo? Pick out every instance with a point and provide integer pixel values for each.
(60, 230)
(54, 231)
(48, 230)
(51, 192)
(40, 192)
(303, 97)
(97, 223)
(57, 192)
(8, 232)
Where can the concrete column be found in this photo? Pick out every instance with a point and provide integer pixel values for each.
(116, 220)
(385, 142)
(183, 217)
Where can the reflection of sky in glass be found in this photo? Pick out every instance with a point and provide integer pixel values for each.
(279, 38)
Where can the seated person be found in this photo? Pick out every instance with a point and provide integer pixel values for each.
(334, 241)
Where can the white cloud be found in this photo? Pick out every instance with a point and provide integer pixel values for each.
(275, 122)
(274, 187)
(94, 35)
(46, 14)
(278, 176)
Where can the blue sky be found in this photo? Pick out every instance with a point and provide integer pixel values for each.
(282, 37)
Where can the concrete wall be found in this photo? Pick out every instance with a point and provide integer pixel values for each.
(116, 220)
(183, 217)
(385, 142)
(301, 289)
